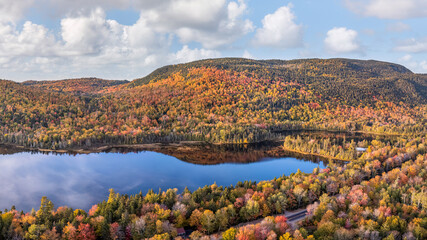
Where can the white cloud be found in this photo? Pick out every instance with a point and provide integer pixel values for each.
(32, 40)
(141, 34)
(389, 9)
(213, 23)
(279, 30)
(236, 9)
(412, 45)
(416, 65)
(187, 55)
(342, 40)
(86, 35)
(86, 45)
(247, 54)
(89, 44)
(13, 10)
(405, 58)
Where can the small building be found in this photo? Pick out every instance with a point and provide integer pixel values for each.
(180, 232)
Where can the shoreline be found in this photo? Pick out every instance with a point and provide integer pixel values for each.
(182, 148)
(105, 148)
(150, 146)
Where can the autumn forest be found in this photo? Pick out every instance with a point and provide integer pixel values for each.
(218, 101)
(372, 188)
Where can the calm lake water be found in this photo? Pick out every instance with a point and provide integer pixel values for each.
(82, 180)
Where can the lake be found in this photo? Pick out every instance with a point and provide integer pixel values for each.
(81, 180)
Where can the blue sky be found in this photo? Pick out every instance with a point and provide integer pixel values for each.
(127, 39)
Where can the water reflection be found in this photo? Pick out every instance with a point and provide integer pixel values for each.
(82, 180)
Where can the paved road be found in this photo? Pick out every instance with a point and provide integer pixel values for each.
(295, 217)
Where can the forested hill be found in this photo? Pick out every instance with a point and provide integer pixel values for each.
(345, 66)
(218, 100)
(347, 80)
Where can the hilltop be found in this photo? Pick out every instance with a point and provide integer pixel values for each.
(227, 100)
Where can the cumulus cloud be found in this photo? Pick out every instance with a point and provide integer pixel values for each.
(342, 40)
(389, 9)
(279, 30)
(32, 40)
(187, 55)
(97, 36)
(213, 23)
(412, 45)
(85, 45)
(89, 44)
(86, 34)
(11, 11)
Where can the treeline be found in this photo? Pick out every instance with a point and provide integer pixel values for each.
(357, 186)
(325, 147)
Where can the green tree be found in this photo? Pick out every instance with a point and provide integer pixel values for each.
(44, 214)
(250, 211)
(222, 218)
(35, 231)
(230, 234)
(208, 221)
(325, 231)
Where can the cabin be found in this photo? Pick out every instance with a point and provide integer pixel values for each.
(180, 232)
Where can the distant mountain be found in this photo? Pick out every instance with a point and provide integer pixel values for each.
(228, 100)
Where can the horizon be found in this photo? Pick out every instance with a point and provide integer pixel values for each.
(128, 39)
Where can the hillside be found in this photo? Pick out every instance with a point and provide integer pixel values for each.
(218, 101)
(76, 86)
(348, 80)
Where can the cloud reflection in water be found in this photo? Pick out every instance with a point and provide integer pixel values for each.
(83, 180)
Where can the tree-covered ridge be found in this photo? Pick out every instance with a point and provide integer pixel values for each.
(369, 68)
(76, 86)
(350, 81)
